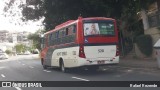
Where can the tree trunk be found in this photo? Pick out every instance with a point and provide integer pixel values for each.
(144, 19)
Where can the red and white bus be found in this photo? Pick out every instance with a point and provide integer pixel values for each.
(90, 42)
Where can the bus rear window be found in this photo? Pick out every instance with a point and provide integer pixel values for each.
(99, 28)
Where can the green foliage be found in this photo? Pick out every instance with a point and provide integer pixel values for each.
(8, 51)
(144, 43)
(20, 48)
(58, 11)
(137, 29)
(36, 39)
(158, 28)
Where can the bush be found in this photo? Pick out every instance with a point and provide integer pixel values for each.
(8, 51)
(144, 43)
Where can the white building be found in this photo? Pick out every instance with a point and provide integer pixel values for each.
(9, 39)
(6, 46)
(4, 36)
(14, 37)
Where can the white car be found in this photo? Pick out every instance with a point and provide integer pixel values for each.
(3, 56)
(27, 53)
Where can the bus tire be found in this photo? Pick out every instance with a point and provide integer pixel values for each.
(44, 66)
(62, 67)
(42, 61)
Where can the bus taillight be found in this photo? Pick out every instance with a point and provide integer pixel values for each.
(117, 50)
(81, 52)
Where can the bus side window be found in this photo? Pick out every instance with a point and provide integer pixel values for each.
(57, 34)
(70, 30)
(73, 33)
(50, 39)
(60, 33)
(56, 37)
(53, 38)
(45, 41)
(74, 28)
(66, 31)
(63, 33)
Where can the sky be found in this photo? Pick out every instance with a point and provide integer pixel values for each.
(12, 23)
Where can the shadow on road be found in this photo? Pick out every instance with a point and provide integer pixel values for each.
(86, 72)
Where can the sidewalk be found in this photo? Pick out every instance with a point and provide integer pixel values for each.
(139, 63)
(22, 57)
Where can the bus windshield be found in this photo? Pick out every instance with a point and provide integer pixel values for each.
(99, 28)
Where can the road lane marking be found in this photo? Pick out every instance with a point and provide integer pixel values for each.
(3, 75)
(118, 76)
(2, 67)
(80, 78)
(46, 71)
(18, 88)
(23, 64)
(129, 70)
(31, 67)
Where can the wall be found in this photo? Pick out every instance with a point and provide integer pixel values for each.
(155, 34)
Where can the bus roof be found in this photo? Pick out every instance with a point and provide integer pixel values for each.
(65, 23)
(61, 26)
(97, 18)
(74, 21)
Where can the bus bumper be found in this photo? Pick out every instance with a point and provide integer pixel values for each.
(98, 61)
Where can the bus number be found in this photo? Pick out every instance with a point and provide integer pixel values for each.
(100, 50)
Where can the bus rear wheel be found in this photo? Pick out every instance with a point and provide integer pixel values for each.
(44, 66)
(63, 69)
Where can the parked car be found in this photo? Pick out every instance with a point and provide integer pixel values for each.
(3, 56)
(35, 51)
(27, 53)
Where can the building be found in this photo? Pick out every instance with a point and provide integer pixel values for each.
(7, 46)
(12, 38)
(9, 39)
(4, 36)
(22, 36)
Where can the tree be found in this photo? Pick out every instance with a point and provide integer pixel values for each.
(35, 37)
(58, 11)
(20, 48)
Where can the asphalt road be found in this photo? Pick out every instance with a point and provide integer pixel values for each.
(29, 68)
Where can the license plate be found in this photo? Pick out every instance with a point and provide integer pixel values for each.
(101, 62)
